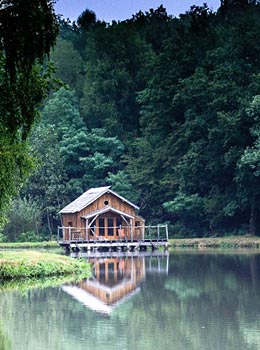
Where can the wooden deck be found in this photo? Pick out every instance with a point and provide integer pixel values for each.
(160, 239)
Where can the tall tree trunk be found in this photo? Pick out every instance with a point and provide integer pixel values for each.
(49, 223)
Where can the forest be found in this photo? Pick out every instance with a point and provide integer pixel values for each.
(164, 109)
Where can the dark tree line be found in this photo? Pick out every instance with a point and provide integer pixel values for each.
(165, 109)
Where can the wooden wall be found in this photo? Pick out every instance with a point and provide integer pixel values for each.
(113, 202)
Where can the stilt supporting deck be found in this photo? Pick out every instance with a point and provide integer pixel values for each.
(114, 245)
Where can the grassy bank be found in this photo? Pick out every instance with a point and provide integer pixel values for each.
(217, 242)
(29, 245)
(25, 284)
(32, 264)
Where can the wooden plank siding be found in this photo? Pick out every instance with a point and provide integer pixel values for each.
(113, 201)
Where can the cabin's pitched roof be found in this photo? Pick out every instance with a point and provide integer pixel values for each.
(92, 302)
(89, 197)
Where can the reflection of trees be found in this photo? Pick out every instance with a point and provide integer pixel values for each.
(198, 307)
(216, 292)
(183, 289)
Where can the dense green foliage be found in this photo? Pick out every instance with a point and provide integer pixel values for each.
(165, 109)
(26, 36)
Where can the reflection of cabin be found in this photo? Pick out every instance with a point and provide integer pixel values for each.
(101, 214)
(115, 279)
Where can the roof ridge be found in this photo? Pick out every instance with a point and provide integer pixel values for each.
(89, 197)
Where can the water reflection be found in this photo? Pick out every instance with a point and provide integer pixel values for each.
(188, 301)
(115, 278)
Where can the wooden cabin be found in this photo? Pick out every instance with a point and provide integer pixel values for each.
(101, 214)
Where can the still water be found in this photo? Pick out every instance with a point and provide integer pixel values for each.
(182, 301)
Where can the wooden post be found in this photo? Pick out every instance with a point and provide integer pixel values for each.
(143, 265)
(87, 238)
(167, 264)
(166, 226)
(70, 233)
(106, 272)
(132, 268)
(97, 268)
(114, 227)
(131, 228)
(158, 232)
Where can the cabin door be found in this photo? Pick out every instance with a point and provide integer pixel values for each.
(107, 228)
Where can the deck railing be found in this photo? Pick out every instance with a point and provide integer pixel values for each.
(124, 233)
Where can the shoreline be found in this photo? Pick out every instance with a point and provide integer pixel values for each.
(245, 241)
(216, 242)
(26, 264)
(29, 245)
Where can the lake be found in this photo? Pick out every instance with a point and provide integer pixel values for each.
(184, 300)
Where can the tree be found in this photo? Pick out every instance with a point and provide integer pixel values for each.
(46, 187)
(88, 159)
(248, 170)
(26, 36)
(61, 110)
(121, 184)
(113, 77)
(24, 219)
(86, 20)
(69, 64)
(87, 155)
(194, 125)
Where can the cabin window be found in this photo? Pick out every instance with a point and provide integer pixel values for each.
(101, 225)
(106, 202)
(110, 228)
(118, 222)
(70, 223)
(137, 223)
